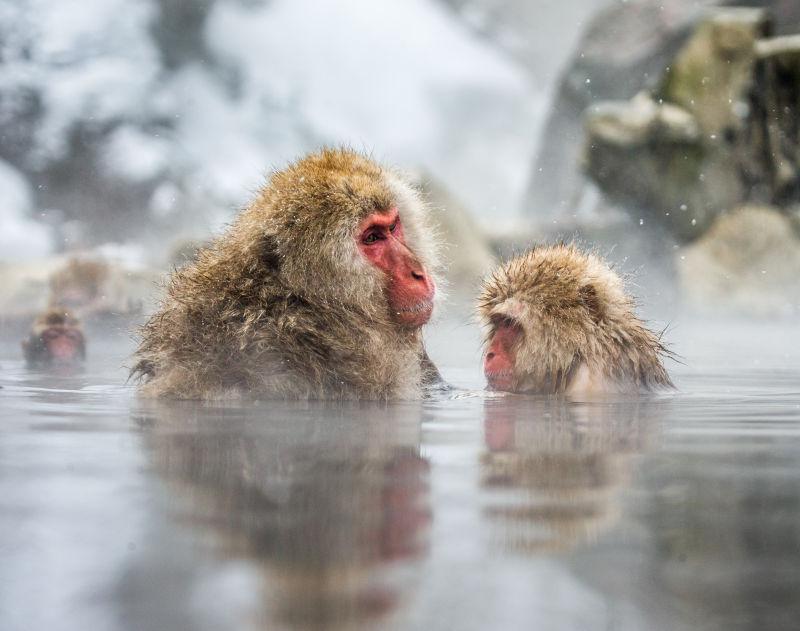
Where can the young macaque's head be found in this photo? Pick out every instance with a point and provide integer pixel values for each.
(344, 229)
(55, 338)
(559, 320)
(500, 358)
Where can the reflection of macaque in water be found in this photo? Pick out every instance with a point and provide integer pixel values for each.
(560, 321)
(564, 464)
(325, 504)
(56, 337)
(318, 290)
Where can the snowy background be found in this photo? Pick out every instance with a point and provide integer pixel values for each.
(125, 120)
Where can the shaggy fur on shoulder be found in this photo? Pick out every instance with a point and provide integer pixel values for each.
(577, 321)
(283, 305)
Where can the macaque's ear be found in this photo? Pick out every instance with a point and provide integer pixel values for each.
(591, 301)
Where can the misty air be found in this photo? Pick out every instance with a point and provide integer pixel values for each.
(412, 314)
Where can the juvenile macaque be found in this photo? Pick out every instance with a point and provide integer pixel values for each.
(56, 337)
(319, 289)
(559, 321)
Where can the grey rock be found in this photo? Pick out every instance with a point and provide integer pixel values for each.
(748, 263)
(719, 131)
(651, 158)
(625, 49)
(771, 155)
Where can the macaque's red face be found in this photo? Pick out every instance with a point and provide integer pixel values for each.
(498, 363)
(409, 289)
(64, 344)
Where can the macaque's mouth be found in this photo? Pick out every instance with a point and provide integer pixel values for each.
(500, 380)
(420, 307)
(414, 315)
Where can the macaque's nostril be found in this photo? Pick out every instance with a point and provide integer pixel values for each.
(417, 275)
(489, 356)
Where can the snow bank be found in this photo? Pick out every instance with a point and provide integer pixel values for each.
(398, 77)
(116, 141)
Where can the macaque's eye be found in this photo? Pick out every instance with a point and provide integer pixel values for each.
(504, 323)
(371, 237)
(393, 227)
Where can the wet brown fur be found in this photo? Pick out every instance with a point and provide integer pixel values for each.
(574, 311)
(283, 305)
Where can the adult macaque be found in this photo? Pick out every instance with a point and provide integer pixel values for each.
(79, 285)
(560, 321)
(55, 338)
(319, 289)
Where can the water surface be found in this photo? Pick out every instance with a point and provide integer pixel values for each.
(467, 511)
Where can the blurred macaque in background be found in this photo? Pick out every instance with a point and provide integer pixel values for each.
(56, 338)
(80, 285)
